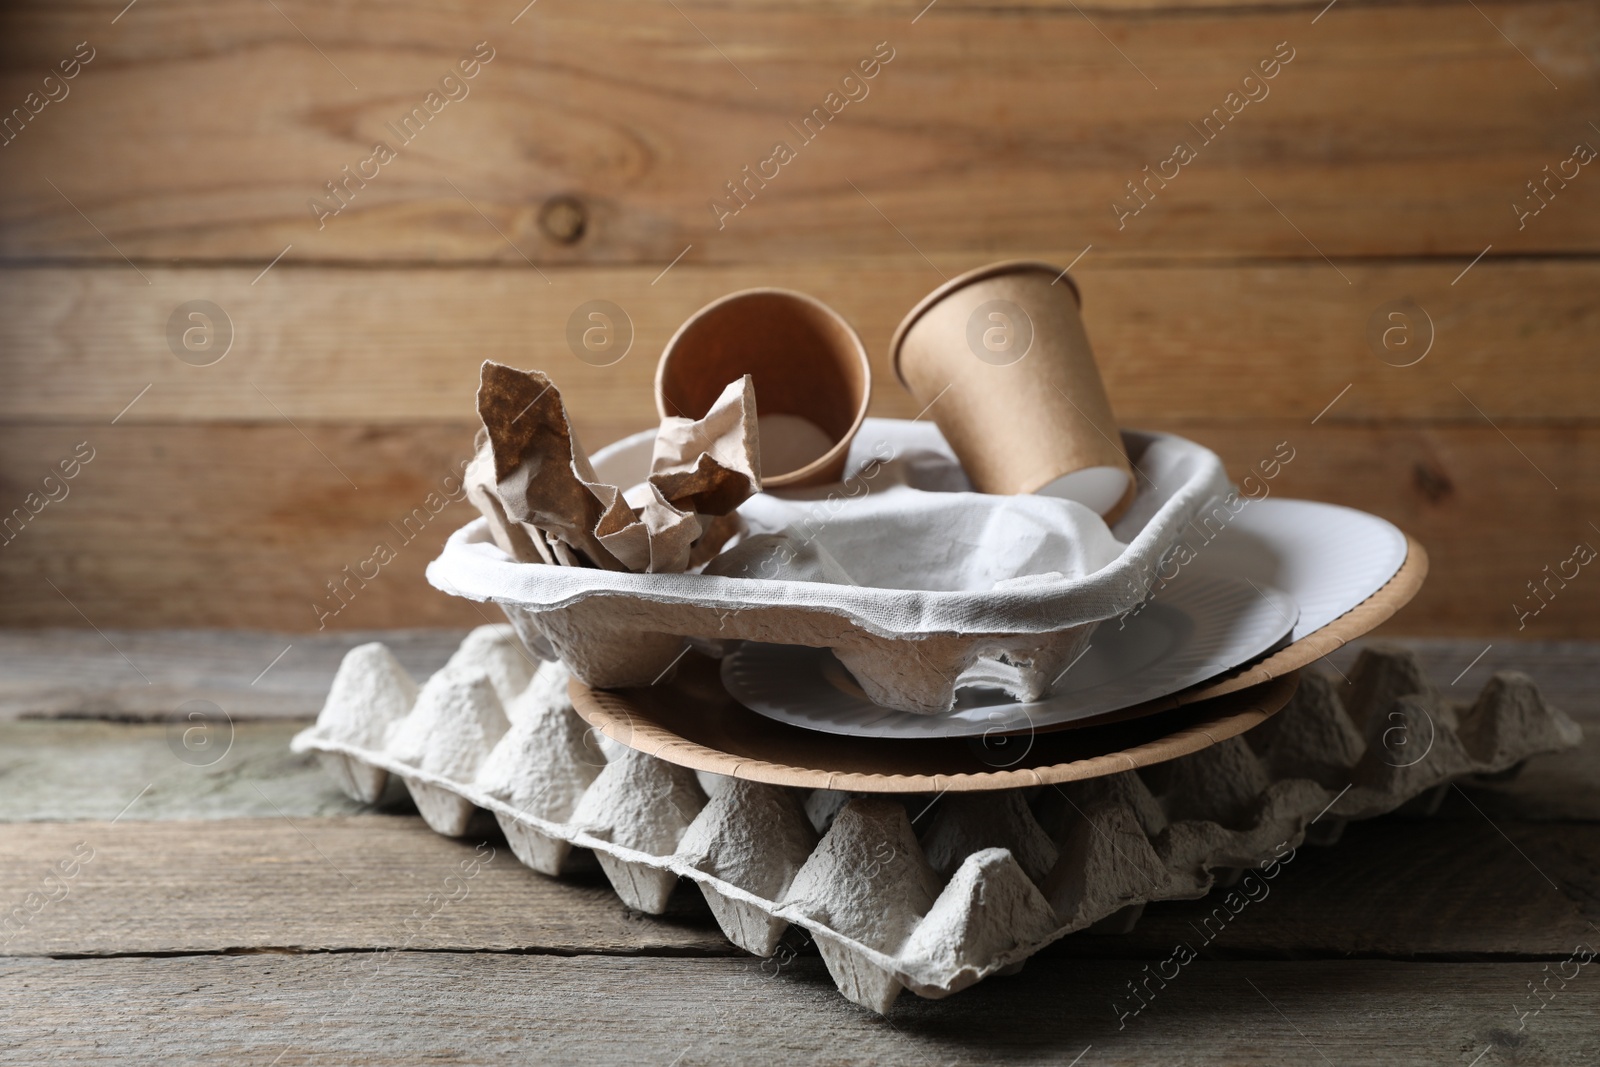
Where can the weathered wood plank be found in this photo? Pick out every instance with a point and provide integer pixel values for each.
(1442, 889)
(249, 674)
(207, 767)
(229, 525)
(1493, 506)
(245, 525)
(493, 1009)
(309, 884)
(643, 114)
(1229, 342)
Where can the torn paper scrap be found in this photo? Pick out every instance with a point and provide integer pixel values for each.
(547, 502)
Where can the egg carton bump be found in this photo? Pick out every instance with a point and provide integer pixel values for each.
(930, 894)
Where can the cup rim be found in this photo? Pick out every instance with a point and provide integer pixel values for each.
(961, 281)
(832, 457)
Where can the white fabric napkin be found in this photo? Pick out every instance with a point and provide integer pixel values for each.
(909, 523)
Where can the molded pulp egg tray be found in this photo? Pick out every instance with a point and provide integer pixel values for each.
(907, 647)
(980, 883)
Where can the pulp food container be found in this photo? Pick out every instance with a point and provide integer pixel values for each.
(910, 649)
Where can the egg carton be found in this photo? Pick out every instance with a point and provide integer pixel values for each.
(987, 881)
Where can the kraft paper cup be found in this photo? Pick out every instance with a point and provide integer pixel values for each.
(811, 375)
(1000, 357)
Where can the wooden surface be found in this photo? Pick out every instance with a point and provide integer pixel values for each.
(1394, 130)
(243, 911)
(1235, 307)
(490, 1009)
(1210, 342)
(145, 674)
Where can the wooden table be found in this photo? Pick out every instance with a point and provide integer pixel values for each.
(243, 911)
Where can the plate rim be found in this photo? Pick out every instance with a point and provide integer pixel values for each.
(1244, 700)
(1270, 504)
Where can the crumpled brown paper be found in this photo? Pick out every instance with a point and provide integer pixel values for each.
(534, 483)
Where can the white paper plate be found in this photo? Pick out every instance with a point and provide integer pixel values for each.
(1329, 558)
(1198, 626)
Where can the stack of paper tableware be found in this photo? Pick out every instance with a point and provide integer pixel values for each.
(1014, 633)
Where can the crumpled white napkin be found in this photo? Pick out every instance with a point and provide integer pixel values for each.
(908, 524)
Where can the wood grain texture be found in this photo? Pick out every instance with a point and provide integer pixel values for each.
(202, 132)
(208, 767)
(1454, 888)
(251, 675)
(1402, 888)
(222, 524)
(245, 525)
(404, 345)
(493, 1009)
(311, 884)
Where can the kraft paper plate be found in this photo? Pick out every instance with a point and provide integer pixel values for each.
(693, 722)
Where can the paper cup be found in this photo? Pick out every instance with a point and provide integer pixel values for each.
(810, 369)
(1000, 358)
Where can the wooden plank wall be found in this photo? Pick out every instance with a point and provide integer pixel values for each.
(1380, 168)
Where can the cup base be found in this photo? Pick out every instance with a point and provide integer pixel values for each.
(789, 443)
(1098, 488)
